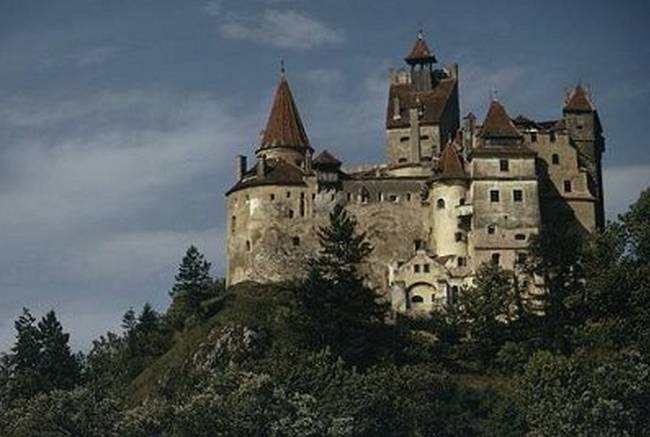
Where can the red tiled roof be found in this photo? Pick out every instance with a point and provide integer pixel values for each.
(433, 103)
(497, 124)
(450, 165)
(579, 101)
(284, 127)
(420, 52)
(326, 158)
(277, 172)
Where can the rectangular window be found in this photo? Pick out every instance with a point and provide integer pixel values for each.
(521, 258)
(552, 137)
(495, 258)
(458, 237)
(567, 186)
(288, 194)
(461, 261)
(517, 195)
(272, 196)
(491, 229)
(504, 165)
(426, 268)
(533, 137)
(416, 268)
(494, 195)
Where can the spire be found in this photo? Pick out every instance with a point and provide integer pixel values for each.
(284, 127)
(420, 53)
(578, 101)
(498, 124)
(450, 165)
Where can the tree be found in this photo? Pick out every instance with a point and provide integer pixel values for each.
(192, 282)
(27, 348)
(339, 309)
(489, 308)
(637, 225)
(56, 363)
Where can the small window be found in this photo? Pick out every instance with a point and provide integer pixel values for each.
(288, 194)
(552, 137)
(533, 137)
(491, 229)
(365, 196)
(295, 241)
(427, 268)
(418, 244)
(462, 262)
(416, 268)
(302, 208)
(567, 186)
(521, 258)
(461, 202)
(272, 196)
(452, 296)
(458, 237)
(494, 196)
(380, 196)
(520, 237)
(290, 213)
(349, 196)
(233, 224)
(408, 197)
(440, 203)
(496, 258)
(517, 195)
(424, 137)
(248, 246)
(404, 139)
(417, 299)
(393, 198)
(555, 159)
(401, 160)
(302, 195)
(504, 165)
(313, 196)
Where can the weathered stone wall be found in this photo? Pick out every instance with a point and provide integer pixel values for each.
(398, 149)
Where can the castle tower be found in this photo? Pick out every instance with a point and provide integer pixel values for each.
(504, 188)
(448, 192)
(584, 128)
(422, 112)
(284, 137)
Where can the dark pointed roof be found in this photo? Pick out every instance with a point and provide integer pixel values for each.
(451, 165)
(420, 53)
(497, 124)
(579, 101)
(284, 127)
(326, 158)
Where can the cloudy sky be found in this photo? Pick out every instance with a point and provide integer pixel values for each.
(120, 120)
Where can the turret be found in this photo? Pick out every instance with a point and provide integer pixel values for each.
(448, 192)
(583, 124)
(284, 137)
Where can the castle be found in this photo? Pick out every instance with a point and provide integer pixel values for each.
(448, 197)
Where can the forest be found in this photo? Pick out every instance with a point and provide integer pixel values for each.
(324, 356)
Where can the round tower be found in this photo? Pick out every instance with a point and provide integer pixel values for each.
(448, 194)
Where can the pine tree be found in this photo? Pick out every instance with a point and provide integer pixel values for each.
(57, 364)
(339, 310)
(192, 283)
(27, 348)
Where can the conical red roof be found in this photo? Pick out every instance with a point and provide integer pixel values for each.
(498, 124)
(420, 52)
(284, 127)
(579, 101)
(451, 166)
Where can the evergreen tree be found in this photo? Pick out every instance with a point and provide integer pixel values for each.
(339, 309)
(191, 287)
(57, 364)
(27, 349)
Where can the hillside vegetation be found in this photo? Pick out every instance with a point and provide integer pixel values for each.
(323, 356)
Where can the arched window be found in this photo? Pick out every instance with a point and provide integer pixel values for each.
(417, 299)
(555, 159)
(440, 203)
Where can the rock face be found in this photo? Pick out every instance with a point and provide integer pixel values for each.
(447, 199)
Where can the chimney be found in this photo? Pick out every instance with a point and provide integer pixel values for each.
(261, 167)
(242, 163)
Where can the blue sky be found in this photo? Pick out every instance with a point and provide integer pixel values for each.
(120, 120)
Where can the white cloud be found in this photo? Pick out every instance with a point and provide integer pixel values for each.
(284, 29)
